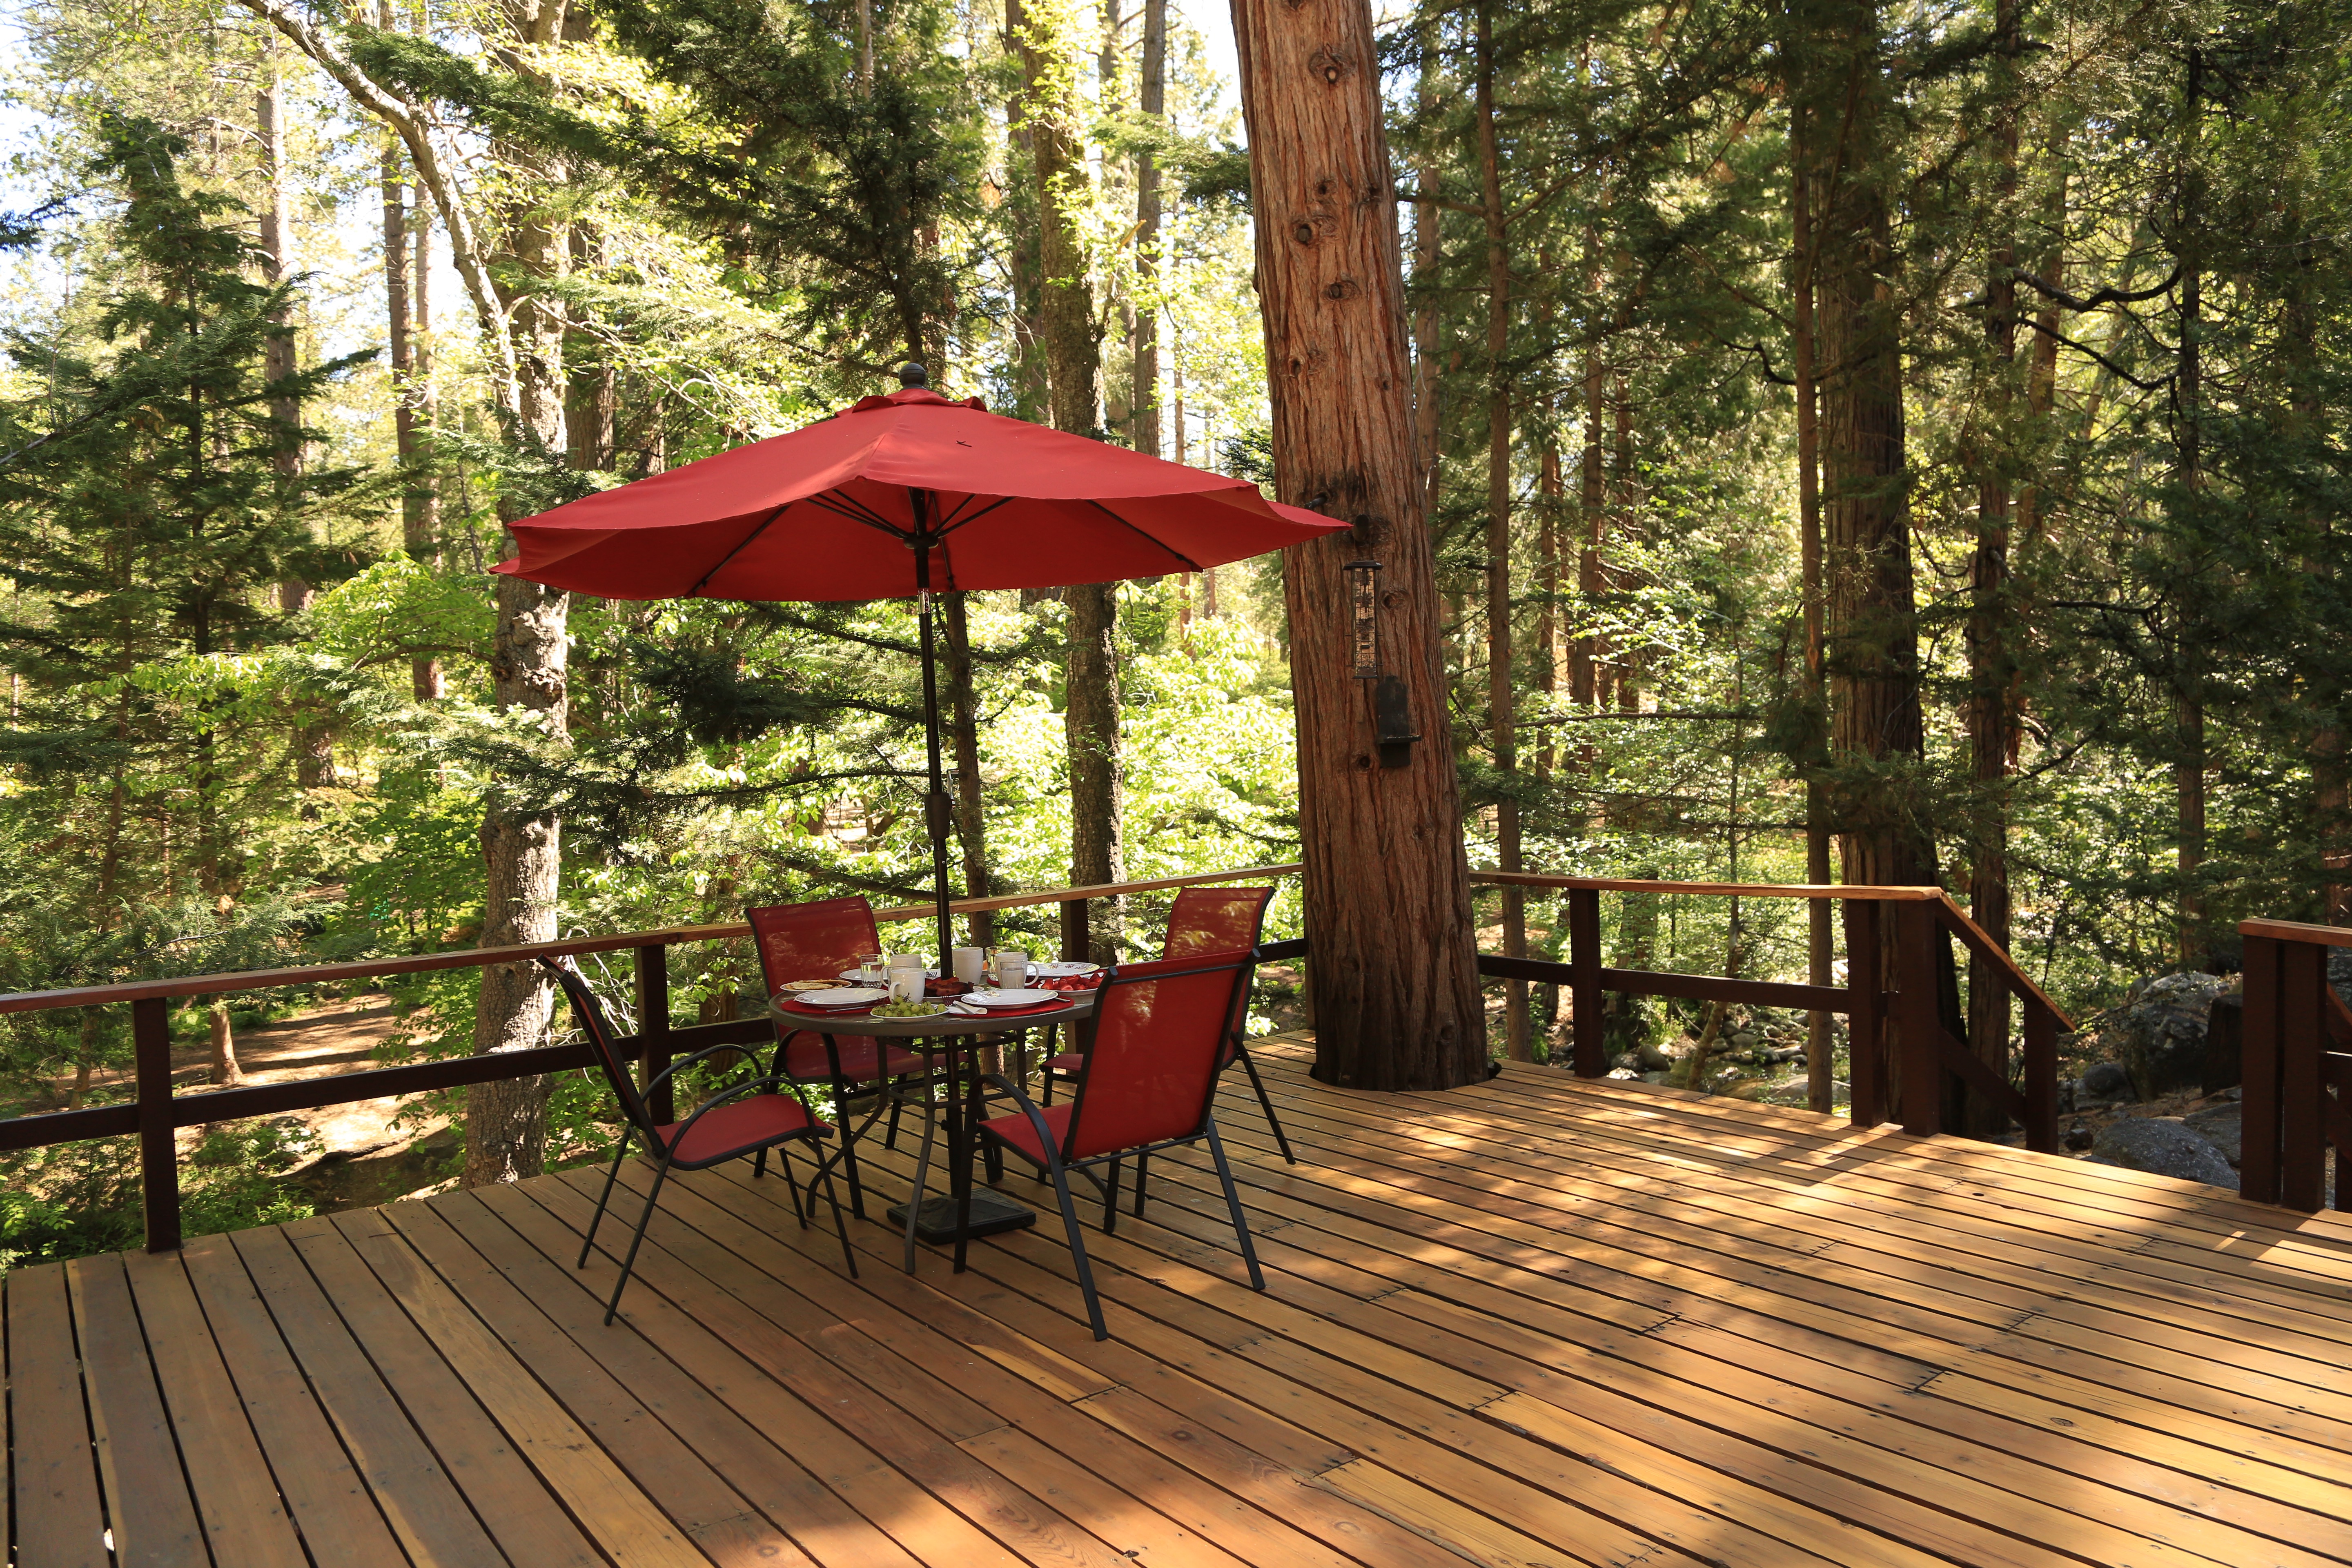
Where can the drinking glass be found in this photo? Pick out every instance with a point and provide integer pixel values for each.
(1012, 968)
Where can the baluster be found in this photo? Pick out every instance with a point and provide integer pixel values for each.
(1866, 1016)
(2041, 1078)
(2301, 1035)
(652, 1027)
(2258, 1173)
(159, 1155)
(1584, 981)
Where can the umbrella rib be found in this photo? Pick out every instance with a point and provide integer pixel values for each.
(950, 522)
(1190, 564)
(740, 545)
(858, 511)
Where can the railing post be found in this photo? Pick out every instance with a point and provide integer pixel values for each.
(2041, 1078)
(652, 1027)
(1865, 1016)
(1584, 983)
(1916, 1020)
(2258, 1173)
(2302, 1036)
(1077, 939)
(159, 1155)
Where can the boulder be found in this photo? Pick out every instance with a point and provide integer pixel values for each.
(2223, 1126)
(2105, 1081)
(2165, 1148)
(2160, 1033)
(2225, 1043)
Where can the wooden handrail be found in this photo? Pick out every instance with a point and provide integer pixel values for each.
(1974, 937)
(1716, 889)
(483, 957)
(2297, 930)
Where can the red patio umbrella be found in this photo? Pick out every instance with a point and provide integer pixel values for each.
(901, 494)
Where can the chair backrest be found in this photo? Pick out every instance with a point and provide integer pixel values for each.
(1152, 1049)
(592, 1024)
(1215, 919)
(813, 940)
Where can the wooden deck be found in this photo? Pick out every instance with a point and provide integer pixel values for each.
(1539, 1321)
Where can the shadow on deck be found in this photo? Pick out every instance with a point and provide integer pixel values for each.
(1539, 1321)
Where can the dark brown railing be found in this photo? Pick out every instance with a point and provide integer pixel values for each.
(1929, 1052)
(1917, 1056)
(155, 1113)
(2297, 1056)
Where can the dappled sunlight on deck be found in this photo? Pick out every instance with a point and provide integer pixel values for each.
(1537, 1321)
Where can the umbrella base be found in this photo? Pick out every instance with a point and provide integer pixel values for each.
(991, 1213)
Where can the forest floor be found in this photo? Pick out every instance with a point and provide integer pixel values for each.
(364, 1157)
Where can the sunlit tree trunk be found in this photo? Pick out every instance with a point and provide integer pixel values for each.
(1149, 269)
(1393, 971)
(1502, 709)
(1991, 664)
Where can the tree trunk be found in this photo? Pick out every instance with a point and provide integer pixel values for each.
(1821, 1074)
(2189, 757)
(421, 501)
(1049, 60)
(277, 357)
(224, 1069)
(506, 1122)
(1393, 979)
(1148, 269)
(1992, 665)
(1502, 711)
(963, 711)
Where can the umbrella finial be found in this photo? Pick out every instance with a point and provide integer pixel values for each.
(912, 373)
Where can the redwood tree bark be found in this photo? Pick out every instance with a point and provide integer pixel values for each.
(1393, 973)
(1153, 90)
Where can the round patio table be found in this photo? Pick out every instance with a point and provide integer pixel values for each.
(948, 1040)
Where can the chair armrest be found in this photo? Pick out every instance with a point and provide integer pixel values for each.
(771, 1082)
(1028, 1108)
(684, 1062)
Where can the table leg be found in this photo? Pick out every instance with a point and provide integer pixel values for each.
(922, 1173)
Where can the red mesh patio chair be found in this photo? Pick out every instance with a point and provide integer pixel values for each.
(745, 1118)
(1149, 1056)
(818, 941)
(1207, 920)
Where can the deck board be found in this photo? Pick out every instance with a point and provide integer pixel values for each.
(1534, 1322)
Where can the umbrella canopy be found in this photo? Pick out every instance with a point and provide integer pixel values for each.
(831, 510)
(900, 495)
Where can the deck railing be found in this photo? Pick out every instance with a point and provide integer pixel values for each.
(1927, 1051)
(1896, 1035)
(2297, 1056)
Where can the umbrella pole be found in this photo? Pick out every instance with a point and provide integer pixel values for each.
(936, 811)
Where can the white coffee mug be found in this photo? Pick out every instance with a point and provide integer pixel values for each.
(970, 964)
(1011, 969)
(907, 977)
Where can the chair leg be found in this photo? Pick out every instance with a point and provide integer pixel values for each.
(1265, 1103)
(890, 1128)
(1234, 1203)
(1142, 1167)
(1110, 1200)
(760, 1163)
(839, 1227)
(1077, 1247)
(848, 1148)
(604, 1197)
(784, 1163)
(630, 1262)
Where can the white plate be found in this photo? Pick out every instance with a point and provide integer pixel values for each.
(843, 997)
(1064, 970)
(1011, 998)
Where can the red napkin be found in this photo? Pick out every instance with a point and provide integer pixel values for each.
(795, 1005)
(1028, 1010)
